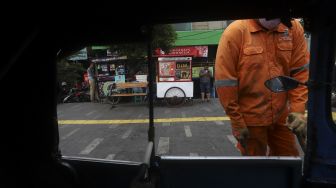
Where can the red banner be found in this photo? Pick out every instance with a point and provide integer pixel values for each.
(194, 51)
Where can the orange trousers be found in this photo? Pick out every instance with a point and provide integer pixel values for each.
(279, 139)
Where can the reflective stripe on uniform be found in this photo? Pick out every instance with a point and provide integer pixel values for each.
(224, 83)
(299, 69)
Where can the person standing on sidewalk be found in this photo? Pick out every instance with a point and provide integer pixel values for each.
(92, 82)
(205, 77)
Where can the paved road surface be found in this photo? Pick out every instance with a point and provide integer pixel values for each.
(95, 130)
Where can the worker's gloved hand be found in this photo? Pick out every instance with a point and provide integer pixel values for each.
(242, 134)
(297, 123)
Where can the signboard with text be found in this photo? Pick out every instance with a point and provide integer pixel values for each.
(194, 51)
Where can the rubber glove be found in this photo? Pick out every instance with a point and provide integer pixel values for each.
(297, 123)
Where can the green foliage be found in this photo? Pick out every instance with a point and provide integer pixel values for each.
(132, 51)
(163, 36)
(69, 72)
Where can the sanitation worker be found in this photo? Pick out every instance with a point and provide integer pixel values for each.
(249, 53)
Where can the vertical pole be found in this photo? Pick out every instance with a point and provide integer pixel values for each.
(151, 75)
(319, 163)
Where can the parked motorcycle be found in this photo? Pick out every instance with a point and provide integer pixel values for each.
(63, 91)
(77, 95)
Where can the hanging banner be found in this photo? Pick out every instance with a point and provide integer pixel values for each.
(194, 51)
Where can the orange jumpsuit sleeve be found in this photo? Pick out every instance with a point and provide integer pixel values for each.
(299, 69)
(226, 79)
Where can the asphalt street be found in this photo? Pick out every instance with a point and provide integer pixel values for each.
(95, 130)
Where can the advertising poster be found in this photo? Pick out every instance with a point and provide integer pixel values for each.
(119, 79)
(183, 71)
(167, 69)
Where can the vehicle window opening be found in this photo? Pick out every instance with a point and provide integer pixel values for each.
(182, 115)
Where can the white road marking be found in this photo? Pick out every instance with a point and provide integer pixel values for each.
(110, 157)
(113, 126)
(207, 109)
(233, 140)
(91, 146)
(62, 126)
(218, 104)
(94, 111)
(75, 106)
(163, 146)
(193, 154)
(219, 122)
(69, 134)
(126, 134)
(187, 131)
(98, 116)
(166, 124)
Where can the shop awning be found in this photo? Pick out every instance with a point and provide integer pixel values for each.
(80, 55)
(100, 47)
(193, 38)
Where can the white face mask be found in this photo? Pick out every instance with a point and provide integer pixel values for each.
(269, 24)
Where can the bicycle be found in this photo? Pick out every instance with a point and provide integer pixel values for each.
(112, 91)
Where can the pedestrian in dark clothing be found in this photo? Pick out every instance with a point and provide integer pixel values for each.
(205, 76)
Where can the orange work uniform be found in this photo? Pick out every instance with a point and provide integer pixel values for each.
(247, 56)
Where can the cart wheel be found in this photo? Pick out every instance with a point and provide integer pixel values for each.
(174, 96)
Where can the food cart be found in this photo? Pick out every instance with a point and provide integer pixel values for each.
(174, 79)
(108, 71)
(114, 80)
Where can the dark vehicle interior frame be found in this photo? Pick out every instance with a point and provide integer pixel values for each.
(30, 138)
